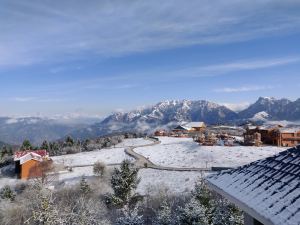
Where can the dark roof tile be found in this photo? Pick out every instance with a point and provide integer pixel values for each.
(270, 186)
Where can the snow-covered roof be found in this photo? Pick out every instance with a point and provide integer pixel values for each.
(189, 125)
(25, 156)
(250, 127)
(268, 189)
(290, 130)
(269, 126)
(194, 124)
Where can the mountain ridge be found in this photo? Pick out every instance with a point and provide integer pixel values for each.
(164, 114)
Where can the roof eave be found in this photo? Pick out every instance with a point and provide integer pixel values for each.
(241, 205)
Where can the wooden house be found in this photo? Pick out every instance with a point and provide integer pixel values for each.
(190, 127)
(275, 135)
(268, 133)
(31, 164)
(161, 133)
(288, 137)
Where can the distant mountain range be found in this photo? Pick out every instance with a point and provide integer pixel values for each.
(162, 115)
(169, 113)
(15, 130)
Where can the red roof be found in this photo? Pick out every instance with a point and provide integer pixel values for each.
(19, 154)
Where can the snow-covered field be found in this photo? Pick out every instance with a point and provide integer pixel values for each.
(183, 152)
(176, 152)
(71, 178)
(108, 156)
(134, 142)
(176, 182)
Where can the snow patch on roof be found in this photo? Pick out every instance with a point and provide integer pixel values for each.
(271, 187)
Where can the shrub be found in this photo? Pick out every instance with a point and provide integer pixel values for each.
(7, 193)
(84, 186)
(99, 168)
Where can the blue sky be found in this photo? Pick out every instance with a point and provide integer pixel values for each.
(96, 57)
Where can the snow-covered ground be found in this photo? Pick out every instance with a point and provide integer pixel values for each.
(134, 142)
(176, 182)
(177, 152)
(108, 156)
(71, 178)
(183, 152)
(173, 140)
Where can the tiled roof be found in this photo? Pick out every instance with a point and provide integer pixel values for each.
(269, 188)
(25, 156)
(19, 154)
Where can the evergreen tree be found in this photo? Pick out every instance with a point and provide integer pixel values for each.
(204, 196)
(7, 193)
(224, 213)
(85, 144)
(45, 145)
(3, 152)
(69, 141)
(54, 149)
(202, 193)
(45, 211)
(26, 145)
(193, 214)
(84, 186)
(164, 215)
(130, 218)
(124, 181)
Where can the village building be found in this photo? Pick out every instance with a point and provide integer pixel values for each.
(273, 135)
(253, 139)
(31, 164)
(190, 127)
(268, 190)
(161, 133)
(288, 137)
(229, 130)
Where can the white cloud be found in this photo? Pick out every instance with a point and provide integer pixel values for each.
(238, 65)
(36, 99)
(243, 89)
(37, 31)
(249, 65)
(23, 99)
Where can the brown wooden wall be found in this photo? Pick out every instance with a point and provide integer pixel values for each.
(31, 169)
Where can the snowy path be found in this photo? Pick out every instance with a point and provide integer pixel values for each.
(143, 162)
(114, 157)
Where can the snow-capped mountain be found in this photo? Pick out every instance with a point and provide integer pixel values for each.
(163, 115)
(176, 111)
(277, 109)
(166, 114)
(292, 111)
(260, 116)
